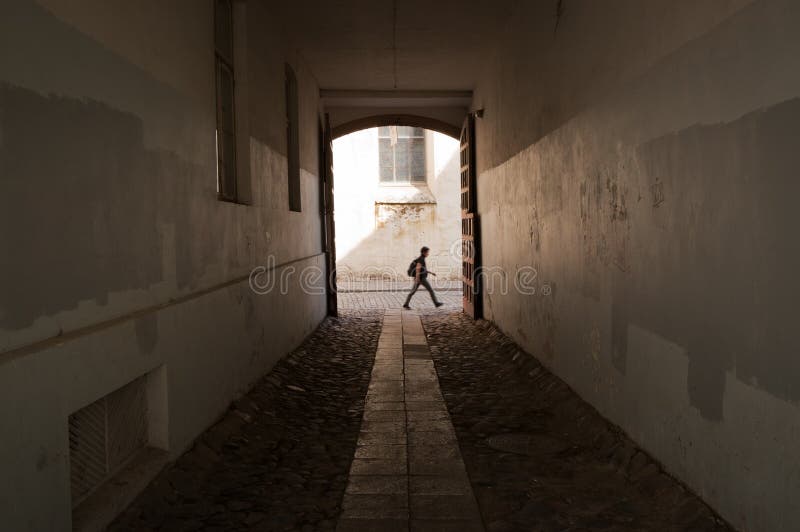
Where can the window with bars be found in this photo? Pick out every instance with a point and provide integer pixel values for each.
(401, 152)
(226, 123)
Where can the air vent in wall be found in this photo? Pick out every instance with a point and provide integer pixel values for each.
(105, 435)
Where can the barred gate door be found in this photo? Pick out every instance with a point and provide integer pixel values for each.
(470, 223)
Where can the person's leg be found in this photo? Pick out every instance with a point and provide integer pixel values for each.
(411, 293)
(428, 286)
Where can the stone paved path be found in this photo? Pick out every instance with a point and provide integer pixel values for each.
(382, 300)
(381, 285)
(407, 473)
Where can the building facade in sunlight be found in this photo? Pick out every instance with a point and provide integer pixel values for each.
(397, 189)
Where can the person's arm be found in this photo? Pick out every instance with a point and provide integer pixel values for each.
(429, 272)
(419, 272)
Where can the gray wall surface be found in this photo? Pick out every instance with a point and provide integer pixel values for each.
(643, 157)
(117, 257)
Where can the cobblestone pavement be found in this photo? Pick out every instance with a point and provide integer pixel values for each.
(539, 458)
(279, 459)
(381, 300)
(379, 285)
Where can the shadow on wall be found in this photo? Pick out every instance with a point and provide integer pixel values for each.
(90, 207)
(445, 262)
(738, 261)
(723, 289)
(82, 198)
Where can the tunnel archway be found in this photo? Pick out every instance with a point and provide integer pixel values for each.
(396, 120)
(368, 252)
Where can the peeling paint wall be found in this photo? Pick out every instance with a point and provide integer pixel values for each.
(651, 185)
(117, 256)
(380, 228)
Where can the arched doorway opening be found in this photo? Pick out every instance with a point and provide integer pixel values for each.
(411, 184)
(407, 120)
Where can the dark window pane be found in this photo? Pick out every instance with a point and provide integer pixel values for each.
(223, 34)
(293, 140)
(226, 139)
(226, 111)
(226, 146)
(230, 163)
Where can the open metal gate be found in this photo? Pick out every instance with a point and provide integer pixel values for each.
(470, 223)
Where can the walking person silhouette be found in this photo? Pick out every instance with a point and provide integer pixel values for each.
(419, 270)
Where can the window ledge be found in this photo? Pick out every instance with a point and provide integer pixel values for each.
(233, 201)
(404, 194)
(103, 506)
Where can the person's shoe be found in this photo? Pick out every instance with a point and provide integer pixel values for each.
(439, 304)
(406, 307)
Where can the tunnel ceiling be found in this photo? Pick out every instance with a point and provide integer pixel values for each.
(393, 44)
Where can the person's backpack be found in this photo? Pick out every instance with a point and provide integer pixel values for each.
(412, 268)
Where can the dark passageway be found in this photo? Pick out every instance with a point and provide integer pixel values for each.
(352, 432)
(618, 346)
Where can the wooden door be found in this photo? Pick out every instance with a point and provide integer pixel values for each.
(328, 229)
(470, 223)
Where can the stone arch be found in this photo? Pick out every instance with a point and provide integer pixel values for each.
(396, 120)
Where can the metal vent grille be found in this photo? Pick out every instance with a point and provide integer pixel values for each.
(87, 449)
(104, 435)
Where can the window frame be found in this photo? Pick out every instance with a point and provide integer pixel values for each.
(293, 139)
(410, 179)
(227, 186)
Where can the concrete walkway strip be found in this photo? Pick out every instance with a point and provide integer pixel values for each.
(407, 473)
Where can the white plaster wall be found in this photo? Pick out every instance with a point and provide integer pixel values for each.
(117, 256)
(642, 161)
(376, 239)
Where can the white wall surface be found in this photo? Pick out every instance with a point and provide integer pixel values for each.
(380, 228)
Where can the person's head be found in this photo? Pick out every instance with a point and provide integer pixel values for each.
(424, 251)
